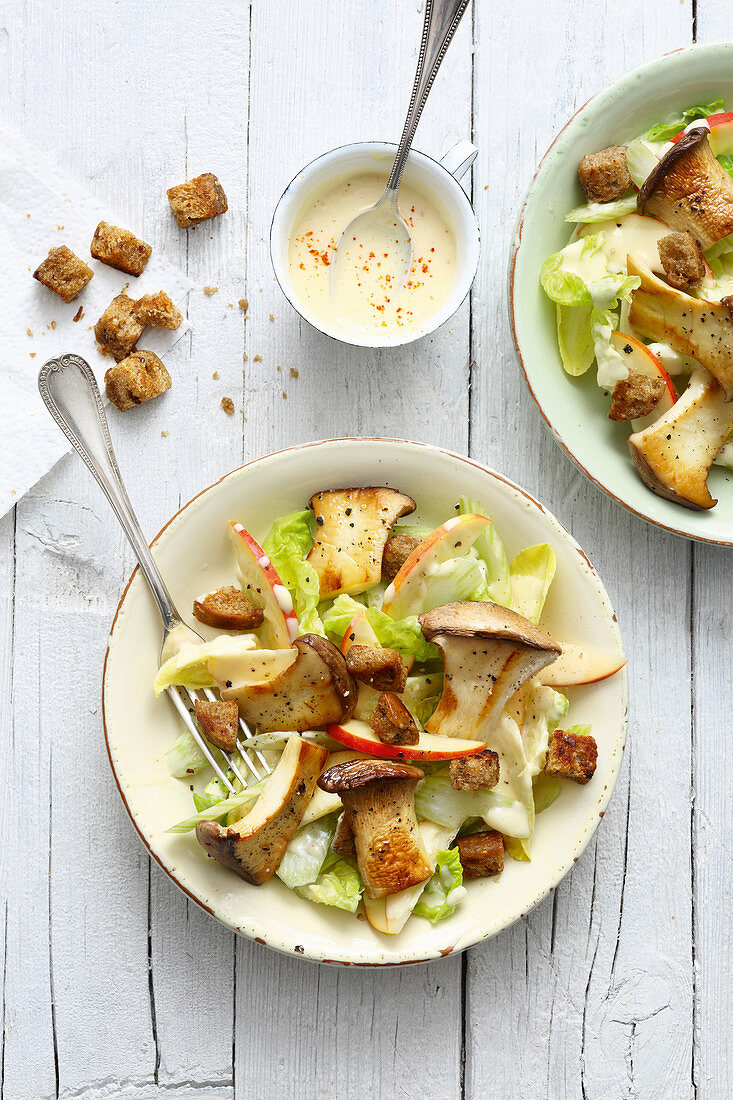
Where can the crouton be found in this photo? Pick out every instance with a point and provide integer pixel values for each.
(118, 329)
(479, 772)
(396, 553)
(571, 756)
(380, 668)
(604, 176)
(136, 379)
(635, 396)
(392, 721)
(158, 311)
(343, 838)
(120, 248)
(481, 854)
(682, 260)
(228, 609)
(64, 273)
(219, 722)
(197, 200)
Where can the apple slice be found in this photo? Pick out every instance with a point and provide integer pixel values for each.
(581, 664)
(359, 632)
(263, 587)
(256, 666)
(721, 132)
(407, 594)
(431, 746)
(389, 915)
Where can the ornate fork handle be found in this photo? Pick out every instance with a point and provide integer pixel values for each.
(71, 394)
(441, 22)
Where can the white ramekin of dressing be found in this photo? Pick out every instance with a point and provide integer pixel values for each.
(328, 193)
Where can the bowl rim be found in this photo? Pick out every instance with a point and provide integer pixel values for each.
(606, 91)
(441, 317)
(560, 869)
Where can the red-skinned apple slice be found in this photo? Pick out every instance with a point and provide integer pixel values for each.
(431, 746)
(358, 632)
(406, 595)
(262, 585)
(721, 133)
(641, 360)
(581, 664)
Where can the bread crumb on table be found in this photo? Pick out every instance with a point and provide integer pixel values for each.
(215, 375)
(294, 373)
(79, 314)
(209, 290)
(243, 304)
(164, 434)
(271, 317)
(227, 405)
(257, 359)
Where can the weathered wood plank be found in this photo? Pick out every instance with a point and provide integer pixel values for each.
(597, 988)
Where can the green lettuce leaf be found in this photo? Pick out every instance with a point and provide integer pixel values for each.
(238, 802)
(338, 884)
(532, 572)
(289, 540)
(727, 161)
(444, 890)
(544, 710)
(436, 800)
(422, 695)
(404, 635)
(665, 131)
(184, 757)
(305, 854)
(574, 339)
(602, 211)
(546, 789)
(490, 550)
(642, 158)
(189, 666)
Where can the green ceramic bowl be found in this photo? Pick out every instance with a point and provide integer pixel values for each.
(572, 407)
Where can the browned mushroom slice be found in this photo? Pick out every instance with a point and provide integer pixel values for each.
(219, 722)
(254, 846)
(674, 454)
(352, 528)
(380, 796)
(689, 189)
(315, 690)
(488, 653)
(343, 838)
(703, 330)
(228, 609)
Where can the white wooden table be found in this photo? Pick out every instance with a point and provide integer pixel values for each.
(113, 983)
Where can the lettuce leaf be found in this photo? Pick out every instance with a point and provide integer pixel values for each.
(444, 890)
(422, 695)
(665, 131)
(220, 810)
(546, 789)
(305, 854)
(490, 550)
(641, 159)
(574, 339)
(338, 884)
(437, 801)
(404, 635)
(531, 573)
(184, 757)
(287, 544)
(602, 211)
(544, 709)
(727, 161)
(189, 666)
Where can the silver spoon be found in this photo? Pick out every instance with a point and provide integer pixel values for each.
(380, 233)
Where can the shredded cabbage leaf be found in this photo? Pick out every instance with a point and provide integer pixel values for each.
(338, 884)
(444, 890)
(305, 854)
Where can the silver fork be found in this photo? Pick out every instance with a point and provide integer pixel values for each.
(71, 394)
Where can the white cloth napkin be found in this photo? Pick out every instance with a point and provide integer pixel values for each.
(42, 207)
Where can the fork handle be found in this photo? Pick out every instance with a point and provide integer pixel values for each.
(441, 22)
(70, 392)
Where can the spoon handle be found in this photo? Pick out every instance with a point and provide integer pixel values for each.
(441, 21)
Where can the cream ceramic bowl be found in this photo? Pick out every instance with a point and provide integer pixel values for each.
(573, 408)
(194, 555)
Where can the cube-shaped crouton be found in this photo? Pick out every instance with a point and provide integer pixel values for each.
(219, 722)
(396, 553)
(479, 772)
(682, 260)
(343, 839)
(118, 329)
(197, 200)
(158, 311)
(63, 273)
(571, 756)
(120, 248)
(136, 379)
(481, 854)
(392, 721)
(604, 176)
(380, 668)
(228, 609)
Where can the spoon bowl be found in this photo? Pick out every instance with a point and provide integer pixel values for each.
(373, 258)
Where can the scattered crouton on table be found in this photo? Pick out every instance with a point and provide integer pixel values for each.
(136, 379)
(64, 273)
(119, 248)
(197, 200)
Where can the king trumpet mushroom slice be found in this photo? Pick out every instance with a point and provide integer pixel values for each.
(690, 190)
(692, 326)
(488, 653)
(379, 796)
(316, 689)
(352, 529)
(674, 454)
(255, 845)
